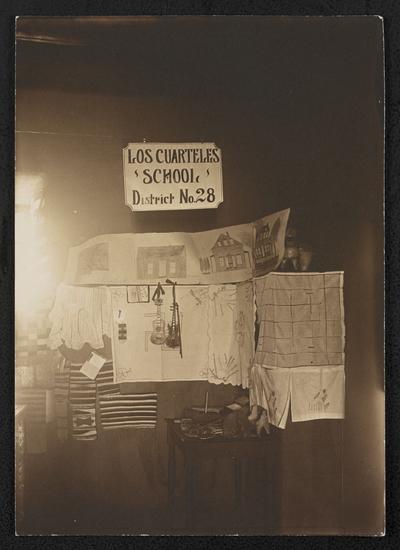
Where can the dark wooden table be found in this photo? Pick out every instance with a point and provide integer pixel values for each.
(194, 450)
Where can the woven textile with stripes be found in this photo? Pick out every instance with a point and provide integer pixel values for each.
(105, 380)
(82, 396)
(138, 410)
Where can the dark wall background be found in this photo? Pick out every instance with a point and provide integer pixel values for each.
(296, 105)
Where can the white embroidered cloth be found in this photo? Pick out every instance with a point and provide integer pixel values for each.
(217, 331)
(80, 315)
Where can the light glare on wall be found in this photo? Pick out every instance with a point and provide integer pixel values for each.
(32, 275)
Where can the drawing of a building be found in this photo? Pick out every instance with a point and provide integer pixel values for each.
(265, 250)
(93, 258)
(155, 262)
(228, 253)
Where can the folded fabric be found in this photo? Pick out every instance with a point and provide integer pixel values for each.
(270, 389)
(81, 315)
(311, 392)
(317, 393)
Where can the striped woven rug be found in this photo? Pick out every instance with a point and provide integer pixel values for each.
(137, 410)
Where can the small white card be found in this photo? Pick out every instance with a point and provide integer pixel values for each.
(91, 367)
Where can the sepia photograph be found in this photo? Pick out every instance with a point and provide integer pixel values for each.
(199, 275)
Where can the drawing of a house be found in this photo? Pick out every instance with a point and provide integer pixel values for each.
(265, 249)
(155, 262)
(228, 253)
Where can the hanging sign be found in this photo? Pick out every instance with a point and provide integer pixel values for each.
(172, 176)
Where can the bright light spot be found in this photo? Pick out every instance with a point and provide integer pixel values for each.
(33, 280)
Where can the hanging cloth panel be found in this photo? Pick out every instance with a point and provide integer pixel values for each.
(299, 358)
(217, 334)
(81, 315)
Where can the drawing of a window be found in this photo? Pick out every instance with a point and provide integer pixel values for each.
(161, 261)
(239, 259)
(229, 259)
(221, 261)
(162, 268)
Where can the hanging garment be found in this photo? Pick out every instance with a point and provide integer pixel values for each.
(82, 396)
(128, 410)
(81, 315)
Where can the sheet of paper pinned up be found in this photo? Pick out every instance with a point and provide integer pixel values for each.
(92, 367)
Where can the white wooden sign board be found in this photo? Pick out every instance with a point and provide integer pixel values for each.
(172, 176)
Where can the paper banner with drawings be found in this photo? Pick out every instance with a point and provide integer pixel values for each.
(226, 255)
(147, 352)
